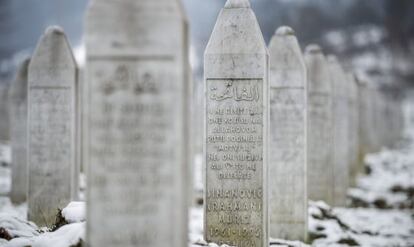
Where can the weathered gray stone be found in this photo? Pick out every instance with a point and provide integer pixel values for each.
(4, 112)
(364, 125)
(137, 76)
(320, 127)
(236, 129)
(353, 132)
(341, 128)
(18, 134)
(288, 200)
(51, 127)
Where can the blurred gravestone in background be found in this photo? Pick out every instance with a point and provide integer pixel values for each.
(320, 127)
(18, 134)
(288, 199)
(51, 127)
(340, 114)
(137, 123)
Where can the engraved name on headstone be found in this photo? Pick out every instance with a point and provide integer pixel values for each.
(236, 130)
(320, 129)
(137, 76)
(288, 201)
(51, 131)
(18, 134)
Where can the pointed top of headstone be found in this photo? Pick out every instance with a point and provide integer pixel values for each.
(313, 48)
(18, 88)
(234, 4)
(318, 71)
(54, 30)
(54, 55)
(337, 75)
(286, 59)
(284, 31)
(236, 31)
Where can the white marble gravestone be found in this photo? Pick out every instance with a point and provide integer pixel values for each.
(18, 134)
(364, 123)
(51, 127)
(320, 127)
(353, 133)
(137, 76)
(341, 128)
(236, 129)
(288, 200)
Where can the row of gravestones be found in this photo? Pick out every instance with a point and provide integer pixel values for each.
(280, 128)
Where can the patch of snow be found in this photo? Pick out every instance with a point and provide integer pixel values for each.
(17, 227)
(390, 182)
(7, 207)
(65, 236)
(74, 212)
(360, 226)
(286, 243)
(5, 153)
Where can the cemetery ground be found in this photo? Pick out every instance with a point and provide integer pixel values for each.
(380, 211)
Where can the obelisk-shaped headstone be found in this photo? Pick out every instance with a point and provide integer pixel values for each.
(364, 123)
(288, 200)
(18, 134)
(51, 139)
(341, 128)
(320, 129)
(236, 129)
(353, 133)
(137, 76)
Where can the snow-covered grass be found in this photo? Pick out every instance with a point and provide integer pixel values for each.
(66, 236)
(359, 226)
(390, 181)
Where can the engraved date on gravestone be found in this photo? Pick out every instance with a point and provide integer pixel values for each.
(234, 160)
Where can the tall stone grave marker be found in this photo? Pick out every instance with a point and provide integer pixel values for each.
(288, 200)
(341, 128)
(320, 129)
(364, 123)
(353, 133)
(18, 134)
(137, 75)
(51, 130)
(236, 129)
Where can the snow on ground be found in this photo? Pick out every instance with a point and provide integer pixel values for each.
(66, 236)
(389, 182)
(360, 226)
(74, 212)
